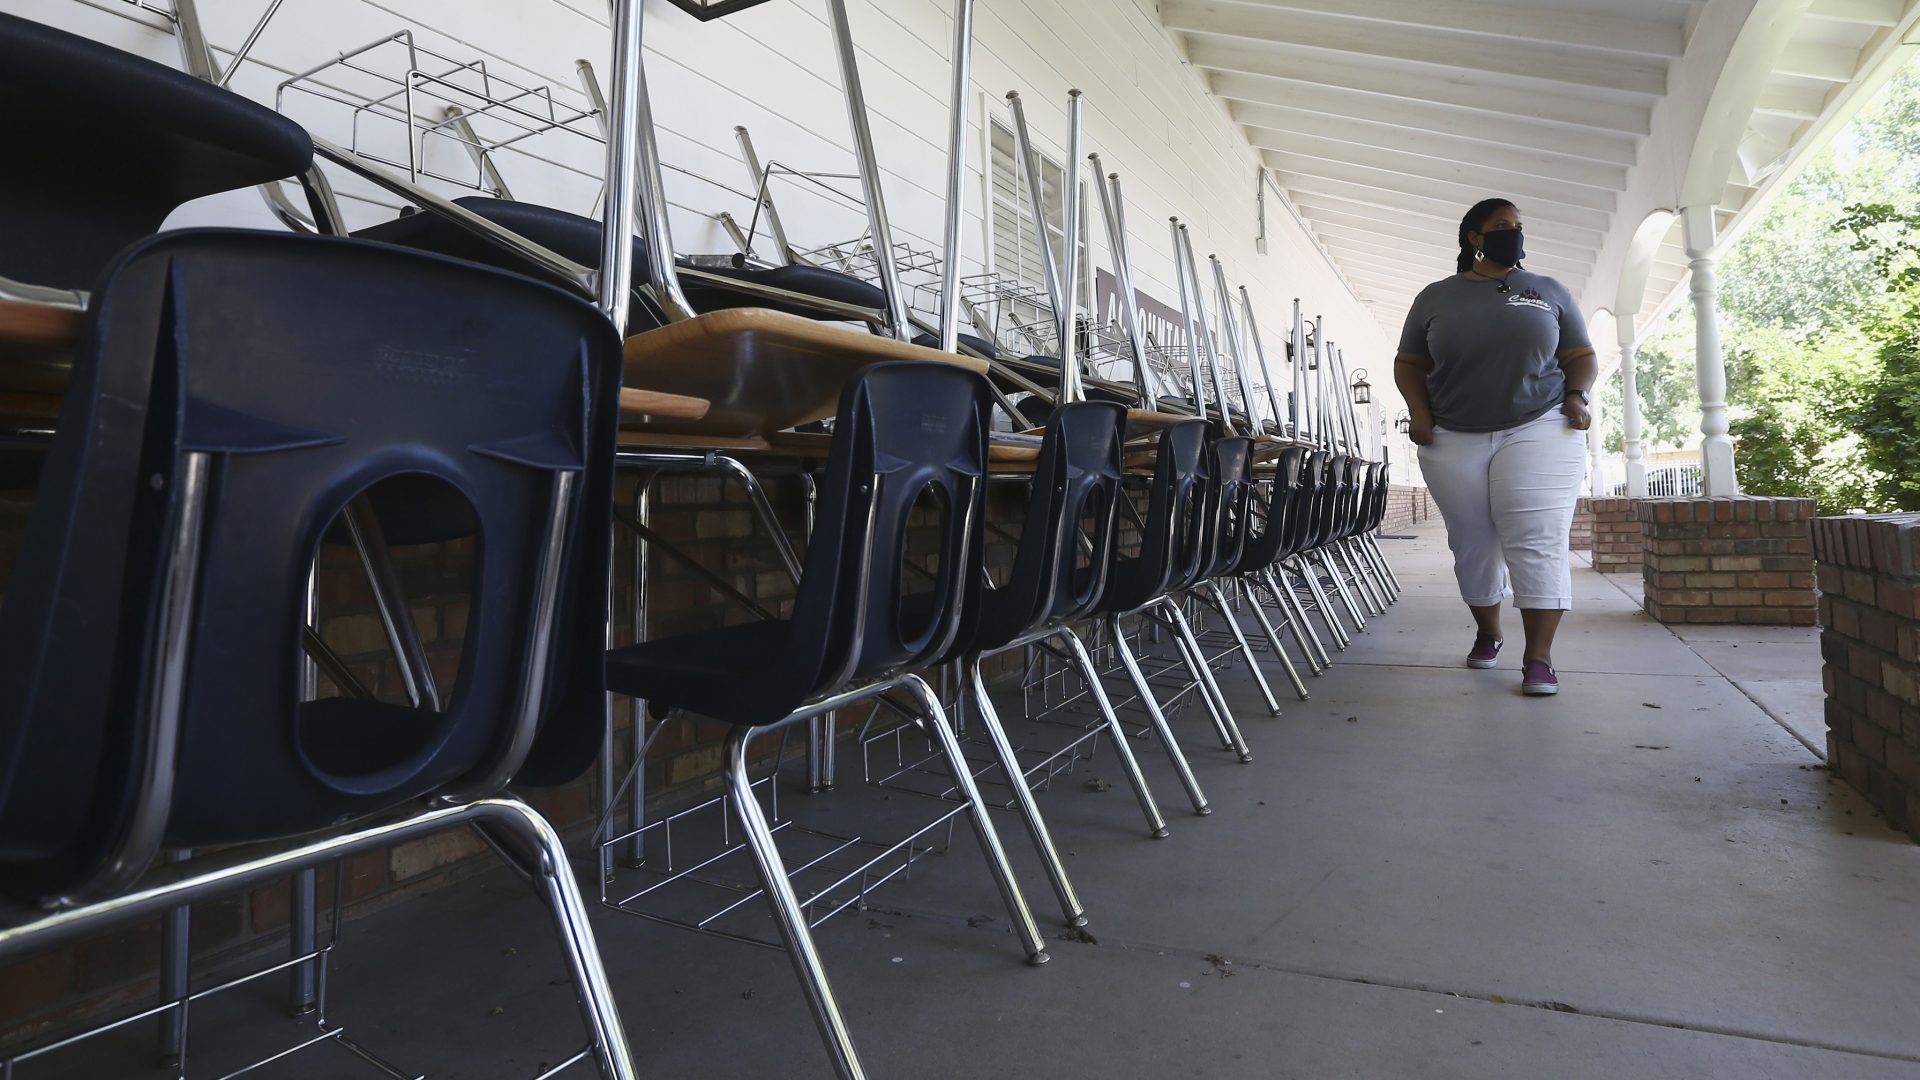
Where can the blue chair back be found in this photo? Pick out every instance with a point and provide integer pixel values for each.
(235, 390)
(1076, 484)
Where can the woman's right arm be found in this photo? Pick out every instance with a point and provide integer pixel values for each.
(1410, 371)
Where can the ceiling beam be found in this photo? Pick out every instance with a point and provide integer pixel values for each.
(1416, 273)
(1436, 252)
(1400, 295)
(1868, 12)
(1330, 102)
(1436, 224)
(1409, 268)
(1585, 227)
(1282, 129)
(1812, 60)
(1305, 65)
(1385, 281)
(1394, 291)
(1338, 160)
(1795, 100)
(1544, 64)
(1414, 280)
(1393, 190)
(1545, 246)
(1566, 28)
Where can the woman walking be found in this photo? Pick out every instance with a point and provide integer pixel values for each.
(1496, 370)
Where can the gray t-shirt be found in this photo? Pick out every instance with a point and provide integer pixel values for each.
(1493, 353)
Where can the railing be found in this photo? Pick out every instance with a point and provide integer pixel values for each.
(1669, 482)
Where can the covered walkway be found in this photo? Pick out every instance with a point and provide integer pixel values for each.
(1421, 874)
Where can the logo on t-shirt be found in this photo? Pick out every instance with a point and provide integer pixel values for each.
(1529, 298)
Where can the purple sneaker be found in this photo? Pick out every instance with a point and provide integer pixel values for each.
(1486, 652)
(1538, 680)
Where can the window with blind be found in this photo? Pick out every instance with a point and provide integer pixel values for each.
(1016, 248)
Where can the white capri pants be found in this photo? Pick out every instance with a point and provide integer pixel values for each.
(1507, 499)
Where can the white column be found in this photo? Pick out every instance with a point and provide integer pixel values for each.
(1630, 410)
(1710, 367)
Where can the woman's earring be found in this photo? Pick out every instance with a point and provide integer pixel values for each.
(1478, 255)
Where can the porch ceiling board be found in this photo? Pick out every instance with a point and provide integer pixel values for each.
(1439, 245)
(1306, 65)
(1409, 281)
(1334, 105)
(1881, 13)
(1382, 120)
(1401, 41)
(1414, 172)
(1276, 128)
(1439, 214)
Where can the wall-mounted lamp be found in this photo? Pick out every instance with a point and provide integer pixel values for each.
(1403, 423)
(1362, 389)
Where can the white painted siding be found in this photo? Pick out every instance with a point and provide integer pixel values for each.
(772, 69)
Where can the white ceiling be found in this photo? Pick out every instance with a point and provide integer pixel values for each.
(1383, 120)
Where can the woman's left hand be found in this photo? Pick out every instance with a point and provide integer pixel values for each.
(1578, 416)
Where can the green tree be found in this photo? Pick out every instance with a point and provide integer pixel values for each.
(1664, 378)
(1883, 405)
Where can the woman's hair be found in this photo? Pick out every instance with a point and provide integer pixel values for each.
(1475, 218)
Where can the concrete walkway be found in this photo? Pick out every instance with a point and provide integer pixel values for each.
(1421, 874)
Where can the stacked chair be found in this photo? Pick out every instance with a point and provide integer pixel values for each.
(903, 430)
(186, 495)
(164, 690)
(156, 699)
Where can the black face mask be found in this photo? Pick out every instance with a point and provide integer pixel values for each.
(1505, 246)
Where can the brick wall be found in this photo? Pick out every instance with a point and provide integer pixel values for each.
(1406, 505)
(1581, 537)
(1736, 559)
(1617, 535)
(1870, 641)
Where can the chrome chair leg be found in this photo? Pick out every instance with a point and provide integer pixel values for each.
(554, 876)
(1311, 575)
(791, 920)
(1324, 596)
(1370, 546)
(1361, 586)
(1219, 601)
(1297, 621)
(1340, 589)
(1196, 661)
(1205, 674)
(303, 888)
(639, 598)
(1273, 643)
(936, 724)
(1158, 719)
(604, 774)
(303, 994)
(544, 859)
(1070, 905)
(1386, 564)
(390, 603)
(1296, 616)
(1122, 746)
(176, 951)
(1357, 555)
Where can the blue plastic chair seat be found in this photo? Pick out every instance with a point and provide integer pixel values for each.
(903, 429)
(578, 238)
(105, 144)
